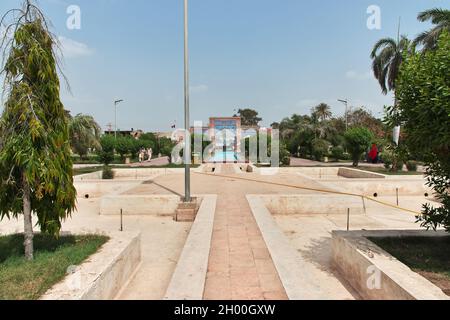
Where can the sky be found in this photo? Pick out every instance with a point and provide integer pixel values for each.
(279, 57)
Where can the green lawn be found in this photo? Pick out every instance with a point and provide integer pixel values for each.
(24, 280)
(427, 256)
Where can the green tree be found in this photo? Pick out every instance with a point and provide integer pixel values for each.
(360, 117)
(249, 117)
(106, 150)
(166, 146)
(358, 141)
(35, 157)
(424, 107)
(124, 146)
(320, 148)
(387, 56)
(84, 134)
(323, 111)
(440, 18)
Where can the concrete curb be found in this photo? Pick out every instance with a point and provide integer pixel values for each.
(360, 261)
(104, 274)
(188, 280)
(290, 266)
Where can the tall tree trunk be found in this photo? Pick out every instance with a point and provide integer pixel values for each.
(395, 160)
(28, 226)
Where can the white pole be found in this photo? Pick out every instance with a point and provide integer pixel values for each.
(187, 140)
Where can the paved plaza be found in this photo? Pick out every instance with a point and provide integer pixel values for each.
(240, 266)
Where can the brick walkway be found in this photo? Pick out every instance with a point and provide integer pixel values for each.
(240, 266)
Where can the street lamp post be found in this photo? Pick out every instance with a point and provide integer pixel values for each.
(115, 117)
(187, 142)
(346, 112)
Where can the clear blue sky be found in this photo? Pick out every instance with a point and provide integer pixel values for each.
(277, 56)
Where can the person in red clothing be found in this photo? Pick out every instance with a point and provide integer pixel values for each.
(373, 154)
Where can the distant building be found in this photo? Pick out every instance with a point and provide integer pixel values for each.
(125, 133)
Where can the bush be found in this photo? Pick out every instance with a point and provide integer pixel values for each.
(124, 146)
(423, 91)
(337, 153)
(358, 141)
(399, 166)
(107, 173)
(166, 146)
(285, 156)
(106, 153)
(320, 148)
(412, 166)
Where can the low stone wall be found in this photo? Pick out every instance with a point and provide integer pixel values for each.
(158, 205)
(291, 267)
(100, 188)
(359, 174)
(97, 175)
(313, 204)
(130, 174)
(104, 274)
(143, 173)
(386, 187)
(377, 275)
(188, 280)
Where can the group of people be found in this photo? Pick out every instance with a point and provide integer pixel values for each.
(145, 155)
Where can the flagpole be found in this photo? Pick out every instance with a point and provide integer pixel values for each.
(187, 142)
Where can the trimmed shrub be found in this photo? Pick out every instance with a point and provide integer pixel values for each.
(412, 166)
(337, 153)
(108, 173)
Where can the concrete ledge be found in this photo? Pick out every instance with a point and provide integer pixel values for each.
(359, 174)
(97, 175)
(290, 266)
(157, 205)
(312, 204)
(144, 173)
(188, 280)
(361, 262)
(385, 187)
(141, 174)
(99, 188)
(104, 274)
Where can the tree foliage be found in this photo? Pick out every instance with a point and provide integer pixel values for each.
(84, 134)
(35, 157)
(440, 18)
(424, 110)
(358, 140)
(249, 117)
(106, 150)
(387, 55)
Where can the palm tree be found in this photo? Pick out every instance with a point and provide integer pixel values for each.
(323, 111)
(441, 19)
(84, 133)
(387, 56)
